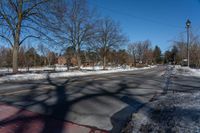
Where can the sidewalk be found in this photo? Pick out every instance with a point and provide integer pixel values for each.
(14, 120)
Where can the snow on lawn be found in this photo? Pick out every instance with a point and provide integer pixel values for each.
(173, 113)
(185, 71)
(60, 68)
(84, 72)
(34, 69)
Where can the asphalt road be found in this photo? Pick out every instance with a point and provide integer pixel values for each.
(102, 101)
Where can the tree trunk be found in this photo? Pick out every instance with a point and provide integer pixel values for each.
(68, 63)
(15, 58)
(17, 37)
(78, 58)
(134, 61)
(104, 58)
(78, 61)
(104, 62)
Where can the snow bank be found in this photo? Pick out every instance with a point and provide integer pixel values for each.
(64, 68)
(84, 72)
(174, 113)
(35, 69)
(185, 71)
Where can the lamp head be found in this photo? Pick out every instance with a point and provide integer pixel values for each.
(188, 23)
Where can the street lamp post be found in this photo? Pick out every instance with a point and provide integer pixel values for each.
(188, 23)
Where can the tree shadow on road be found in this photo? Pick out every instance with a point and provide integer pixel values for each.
(57, 103)
(56, 111)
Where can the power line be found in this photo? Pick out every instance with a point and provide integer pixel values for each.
(136, 17)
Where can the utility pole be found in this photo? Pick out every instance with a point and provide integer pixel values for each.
(188, 23)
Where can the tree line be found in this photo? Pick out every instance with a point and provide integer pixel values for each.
(70, 25)
(64, 23)
(137, 54)
(178, 53)
(27, 57)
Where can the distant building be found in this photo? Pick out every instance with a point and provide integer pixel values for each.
(73, 61)
(62, 60)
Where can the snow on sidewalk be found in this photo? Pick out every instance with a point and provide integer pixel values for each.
(84, 72)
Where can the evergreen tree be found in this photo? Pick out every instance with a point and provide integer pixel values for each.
(157, 55)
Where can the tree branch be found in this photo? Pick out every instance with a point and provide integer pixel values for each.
(13, 5)
(8, 22)
(8, 40)
(29, 36)
(27, 11)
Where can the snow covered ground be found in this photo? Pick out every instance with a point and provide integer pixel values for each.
(177, 113)
(61, 72)
(60, 68)
(174, 112)
(185, 71)
(35, 69)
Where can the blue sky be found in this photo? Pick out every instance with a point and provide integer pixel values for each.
(159, 21)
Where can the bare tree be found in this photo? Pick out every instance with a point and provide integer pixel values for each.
(69, 53)
(19, 20)
(109, 36)
(194, 50)
(73, 26)
(141, 52)
(147, 52)
(44, 51)
(5, 57)
(51, 57)
(132, 52)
